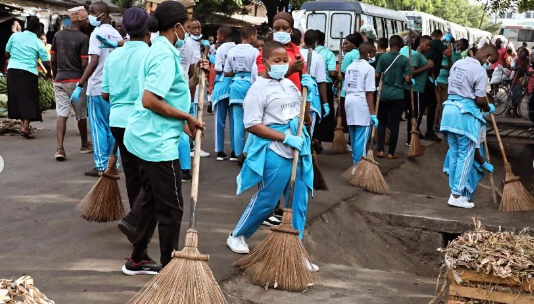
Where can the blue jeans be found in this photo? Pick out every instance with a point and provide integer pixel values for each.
(103, 140)
(359, 135)
(221, 109)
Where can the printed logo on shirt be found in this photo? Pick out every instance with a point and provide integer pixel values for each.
(290, 105)
(353, 78)
(457, 77)
(240, 64)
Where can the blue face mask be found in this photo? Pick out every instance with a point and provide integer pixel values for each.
(94, 20)
(66, 22)
(180, 43)
(371, 60)
(487, 65)
(282, 37)
(277, 71)
(196, 38)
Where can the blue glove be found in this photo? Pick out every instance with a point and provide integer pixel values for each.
(308, 82)
(205, 43)
(447, 37)
(492, 108)
(374, 120)
(326, 109)
(488, 167)
(413, 81)
(106, 43)
(294, 142)
(334, 90)
(212, 58)
(435, 82)
(75, 97)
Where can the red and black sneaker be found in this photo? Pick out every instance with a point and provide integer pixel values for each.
(148, 266)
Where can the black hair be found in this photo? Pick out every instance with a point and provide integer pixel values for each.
(425, 38)
(321, 37)
(248, 31)
(269, 47)
(366, 47)
(498, 43)
(101, 7)
(464, 42)
(382, 43)
(355, 39)
(488, 50)
(395, 41)
(166, 15)
(33, 25)
(310, 37)
(436, 33)
(226, 31)
(194, 19)
(296, 36)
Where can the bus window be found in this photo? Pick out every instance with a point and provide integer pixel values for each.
(415, 23)
(510, 34)
(379, 28)
(340, 23)
(316, 21)
(389, 26)
(525, 35)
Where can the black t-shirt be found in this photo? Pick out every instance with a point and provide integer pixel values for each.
(436, 54)
(70, 47)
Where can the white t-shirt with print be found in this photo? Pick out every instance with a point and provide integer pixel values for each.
(317, 67)
(468, 79)
(359, 79)
(241, 58)
(221, 55)
(106, 31)
(270, 101)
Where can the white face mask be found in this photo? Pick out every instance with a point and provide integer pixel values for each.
(282, 37)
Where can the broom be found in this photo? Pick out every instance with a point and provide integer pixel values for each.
(514, 196)
(103, 203)
(187, 279)
(339, 144)
(492, 182)
(365, 173)
(280, 260)
(416, 149)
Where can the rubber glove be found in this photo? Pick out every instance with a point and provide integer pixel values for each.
(205, 43)
(106, 43)
(308, 82)
(75, 97)
(447, 37)
(433, 81)
(212, 58)
(492, 108)
(488, 167)
(294, 142)
(374, 120)
(413, 81)
(326, 109)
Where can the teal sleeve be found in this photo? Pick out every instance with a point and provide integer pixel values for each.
(331, 62)
(160, 75)
(9, 43)
(43, 53)
(379, 65)
(416, 60)
(105, 75)
(407, 68)
(346, 62)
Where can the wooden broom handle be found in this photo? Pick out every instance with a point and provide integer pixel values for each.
(498, 135)
(339, 76)
(198, 141)
(296, 154)
(376, 108)
(493, 193)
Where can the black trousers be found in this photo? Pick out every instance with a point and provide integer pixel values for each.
(324, 131)
(428, 103)
(131, 166)
(389, 116)
(416, 106)
(162, 205)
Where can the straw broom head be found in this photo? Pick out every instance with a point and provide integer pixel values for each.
(366, 174)
(416, 149)
(103, 203)
(278, 261)
(339, 144)
(514, 196)
(187, 279)
(319, 182)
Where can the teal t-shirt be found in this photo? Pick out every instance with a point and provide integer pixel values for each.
(329, 60)
(25, 49)
(349, 58)
(151, 136)
(418, 60)
(121, 80)
(444, 73)
(393, 81)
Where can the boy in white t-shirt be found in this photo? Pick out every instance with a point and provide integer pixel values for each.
(238, 66)
(359, 87)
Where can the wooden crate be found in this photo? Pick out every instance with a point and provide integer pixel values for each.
(456, 290)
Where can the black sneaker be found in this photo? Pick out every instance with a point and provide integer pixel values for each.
(94, 172)
(221, 156)
(241, 159)
(272, 221)
(233, 157)
(210, 108)
(186, 176)
(148, 266)
(128, 230)
(431, 136)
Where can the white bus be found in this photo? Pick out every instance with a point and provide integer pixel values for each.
(457, 31)
(517, 34)
(426, 23)
(333, 17)
(474, 35)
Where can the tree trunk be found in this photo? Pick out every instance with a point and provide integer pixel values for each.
(272, 9)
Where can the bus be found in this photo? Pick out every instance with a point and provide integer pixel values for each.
(457, 31)
(517, 34)
(334, 17)
(425, 23)
(474, 35)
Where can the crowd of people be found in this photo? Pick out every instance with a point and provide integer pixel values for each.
(138, 91)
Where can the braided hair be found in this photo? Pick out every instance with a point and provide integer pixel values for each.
(167, 14)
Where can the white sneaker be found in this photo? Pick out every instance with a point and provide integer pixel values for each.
(460, 202)
(202, 153)
(349, 147)
(310, 266)
(237, 244)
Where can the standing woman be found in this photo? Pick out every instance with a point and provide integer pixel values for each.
(153, 133)
(350, 48)
(23, 50)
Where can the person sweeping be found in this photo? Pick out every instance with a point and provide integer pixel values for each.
(462, 120)
(161, 108)
(271, 114)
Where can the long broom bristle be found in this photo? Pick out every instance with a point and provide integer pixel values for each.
(319, 182)
(187, 279)
(279, 261)
(339, 144)
(416, 149)
(514, 196)
(367, 175)
(103, 203)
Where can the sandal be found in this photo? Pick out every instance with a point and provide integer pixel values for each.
(60, 155)
(27, 135)
(380, 154)
(392, 156)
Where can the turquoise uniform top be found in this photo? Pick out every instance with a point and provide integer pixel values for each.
(349, 58)
(121, 80)
(25, 48)
(151, 136)
(329, 59)
(444, 73)
(418, 60)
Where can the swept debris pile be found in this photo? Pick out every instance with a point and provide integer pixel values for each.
(21, 291)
